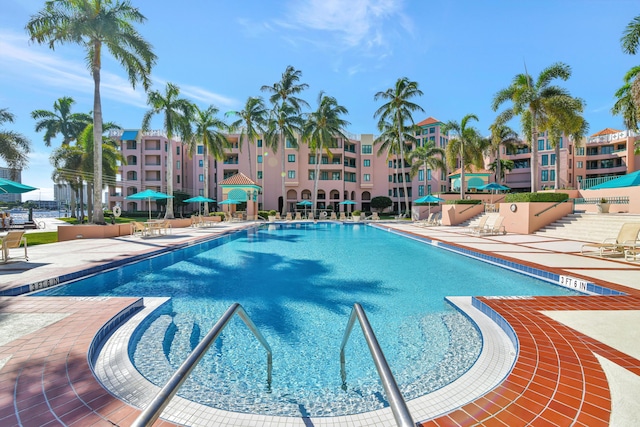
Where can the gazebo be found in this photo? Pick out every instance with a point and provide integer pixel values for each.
(241, 188)
(473, 178)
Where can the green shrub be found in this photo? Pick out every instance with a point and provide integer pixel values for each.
(535, 197)
(264, 214)
(272, 212)
(603, 200)
(463, 202)
(356, 212)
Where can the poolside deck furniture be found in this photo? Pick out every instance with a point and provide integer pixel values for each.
(343, 217)
(627, 240)
(310, 216)
(479, 228)
(425, 222)
(333, 216)
(12, 240)
(632, 253)
(298, 216)
(495, 228)
(288, 217)
(138, 229)
(278, 216)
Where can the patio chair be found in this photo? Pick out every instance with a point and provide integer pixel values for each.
(298, 216)
(138, 229)
(627, 238)
(437, 219)
(13, 240)
(310, 216)
(278, 216)
(333, 216)
(425, 222)
(375, 217)
(479, 228)
(343, 217)
(288, 217)
(495, 228)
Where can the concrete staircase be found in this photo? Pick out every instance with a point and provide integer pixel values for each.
(588, 227)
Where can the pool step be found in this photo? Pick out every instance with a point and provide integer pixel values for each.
(588, 227)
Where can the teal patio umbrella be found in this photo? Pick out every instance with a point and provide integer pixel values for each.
(230, 202)
(347, 202)
(429, 199)
(199, 199)
(493, 186)
(12, 187)
(305, 203)
(149, 195)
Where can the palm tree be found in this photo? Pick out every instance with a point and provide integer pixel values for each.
(284, 125)
(283, 119)
(626, 106)
(14, 147)
(464, 145)
(398, 109)
(74, 162)
(388, 143)
(501, 136)
(95, 24)
(320, 130)
(527, 96)
(208, 132)
(630, 41)
(426, 157)
(177, 114)
(283, 91)
(565, 118)
(252, 120)
(62, 121)
(505, 165)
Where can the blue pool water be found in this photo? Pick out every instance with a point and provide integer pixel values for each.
(298, 283)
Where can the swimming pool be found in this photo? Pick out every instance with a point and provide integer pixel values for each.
(298, 283)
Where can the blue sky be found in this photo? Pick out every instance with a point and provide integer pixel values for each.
(221, 52)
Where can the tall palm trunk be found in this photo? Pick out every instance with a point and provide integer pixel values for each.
(90, 204)
(98, 214)
(73, 202)
(534, 152)
(249, 154)
(316, 177)
(283, 174)
(498, 166)
(556, 180)
(169, 212)
(462, 172)
(81, 216)
(404, 181)
(205, 151)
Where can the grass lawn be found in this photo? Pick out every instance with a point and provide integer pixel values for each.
(42, 238)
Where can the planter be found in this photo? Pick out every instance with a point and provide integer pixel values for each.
(603, 207)
(272, 218)
(356, 218)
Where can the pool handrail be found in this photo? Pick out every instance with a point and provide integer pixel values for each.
(396, 401)
(153, 411)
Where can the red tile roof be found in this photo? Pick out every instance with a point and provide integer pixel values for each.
(607, 131)
(428, 121)
(238, 179)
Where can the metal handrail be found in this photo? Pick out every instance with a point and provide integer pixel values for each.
(554, 205)
(396, 401)
(151, 413)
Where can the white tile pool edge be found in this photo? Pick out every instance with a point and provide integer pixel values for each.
(115, 371)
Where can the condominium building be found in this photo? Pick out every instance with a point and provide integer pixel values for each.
(350, 169)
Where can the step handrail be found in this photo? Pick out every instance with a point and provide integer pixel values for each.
(556, 204)
(396, 401)
(151, 413)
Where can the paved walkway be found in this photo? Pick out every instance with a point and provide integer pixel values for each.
(579, 359)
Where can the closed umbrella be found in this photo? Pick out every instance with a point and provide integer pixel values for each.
(429, 199)
(149, 195)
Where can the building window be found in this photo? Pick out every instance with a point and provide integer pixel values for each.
(552, 175)
(429, 188)
(366, 162)
(178, 179)
(201, 192)
(420, 190)
(579, 151)
(178, 164)
(421, 175)
(367, 149)
(335, 176)
(291, 158)
(390, 193)
(540, 144)
(545, 160)
(201, 178)
(312, 175)
(428, 174)
(432, 130)
(579, 165)
(259, 174)
(367, 177)
(200, 149)
(290, 143)
(201, 163)
(178, 150)
(390, 164)
(560, 142)
(545, 175)
(259, 158)
(259, 143)
(553, 159)
(291, 174)
(390, 178)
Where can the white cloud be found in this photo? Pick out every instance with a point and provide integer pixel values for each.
(31, 65)
(356, 23)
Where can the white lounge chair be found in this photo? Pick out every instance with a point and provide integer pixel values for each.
(480, 227)
(495, 228)
(627, 238)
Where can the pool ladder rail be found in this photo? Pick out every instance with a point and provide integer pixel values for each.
(397, 403)
(152, 412)
(396, 400)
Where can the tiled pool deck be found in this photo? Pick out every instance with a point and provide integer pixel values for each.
(579, 359)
